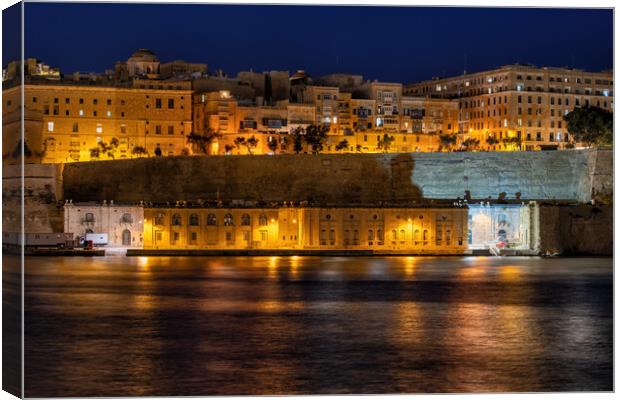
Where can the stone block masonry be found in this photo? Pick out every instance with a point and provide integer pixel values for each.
(348, 179)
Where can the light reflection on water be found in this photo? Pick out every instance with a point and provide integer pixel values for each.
(293, 325)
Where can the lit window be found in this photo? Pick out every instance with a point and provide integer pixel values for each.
(99, 128)
(606, 93)
(50, 127)
(109, 113)
(81, 113)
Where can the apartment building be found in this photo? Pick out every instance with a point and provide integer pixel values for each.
(519, 107)
(81, 122)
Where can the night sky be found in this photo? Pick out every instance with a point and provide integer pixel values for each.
(401, 44)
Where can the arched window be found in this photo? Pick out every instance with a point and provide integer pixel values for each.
(193, 219)
(425, 235)
(416, 235)
(126, 218)
(371, 234)
(176, 220)
(262, 220)
(380, 235)
(228, 220)
(211, 220)
(394, 237)
(245, 219)
(159, 219)
(402, 234)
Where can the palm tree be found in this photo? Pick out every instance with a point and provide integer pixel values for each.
(239, 141)
(251, 143)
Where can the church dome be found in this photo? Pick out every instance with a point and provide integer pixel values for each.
(144, 55)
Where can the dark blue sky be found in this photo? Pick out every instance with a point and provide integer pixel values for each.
(387, 43)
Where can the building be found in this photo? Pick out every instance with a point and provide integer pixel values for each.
(417, 230)
(123, 224)
(519, 107)
(80, 122)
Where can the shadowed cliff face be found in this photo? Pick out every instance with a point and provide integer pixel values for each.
(356, 179)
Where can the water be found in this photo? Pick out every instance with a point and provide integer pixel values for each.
(312, 325)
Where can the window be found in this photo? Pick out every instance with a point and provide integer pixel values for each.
(157, 103)
(109, 102)
(99, 128)
(194, 236)
(123, 129)
(81, 101)
(95, 101)
(170, 103)
(371, 235)
(211, 220)
(193, 220)
(176, 220)
(81, 113)
(126, 218)
(245, 220)
(229, 236)
(89, 217)
(228, 220)
(262, 220)
(170, 130)
(50, 126)
(263, 235)
(159, 219)
(75, 127)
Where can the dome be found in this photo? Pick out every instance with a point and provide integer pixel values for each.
(144, 55)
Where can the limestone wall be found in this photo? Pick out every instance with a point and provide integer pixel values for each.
(347, 179)
(42, 192)
(577, 230)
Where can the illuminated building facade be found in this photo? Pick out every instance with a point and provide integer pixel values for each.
(519, 107)
(123, 224)
(82, 122)
(432, 230)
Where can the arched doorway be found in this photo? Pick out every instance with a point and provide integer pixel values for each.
(126, 237)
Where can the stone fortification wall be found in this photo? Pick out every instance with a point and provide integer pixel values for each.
(580, 230)
(347, 179)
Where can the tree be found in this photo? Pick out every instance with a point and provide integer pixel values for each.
(272, 143)
(358, 148)
(228, 148)
(590, 125)
(139, 151)
(157, 152)
(239, 141)
(447, 140)
(470, 144)
(298, 140)
(315, 136)
(385, 143)
(342, 145)
(491, 141)
(200, 143)
(251, 143)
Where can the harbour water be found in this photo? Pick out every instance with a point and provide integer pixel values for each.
(138, 326)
